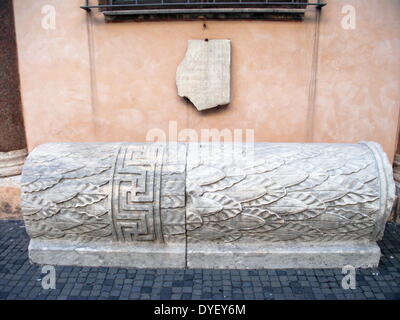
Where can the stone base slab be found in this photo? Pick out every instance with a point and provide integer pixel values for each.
(10, 202)
(114, 254)
(363, 255)
(335, 255)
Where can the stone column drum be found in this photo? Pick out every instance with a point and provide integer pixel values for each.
(207, 205)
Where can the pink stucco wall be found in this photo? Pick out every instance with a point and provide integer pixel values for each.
(88, 80)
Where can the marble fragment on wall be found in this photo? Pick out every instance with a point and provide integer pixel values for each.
(204, 74)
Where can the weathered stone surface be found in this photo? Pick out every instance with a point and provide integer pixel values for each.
(11, 162)
(287, 194)
(10, 203)
(105, 193)
(207, 205)
(280, 255)
(204, 74)
(107, 254)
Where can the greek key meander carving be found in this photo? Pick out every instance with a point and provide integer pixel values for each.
(136, 188)
(145, 193)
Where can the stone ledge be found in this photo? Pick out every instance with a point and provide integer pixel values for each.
(116, 254)
(332, 255)
(228, 256)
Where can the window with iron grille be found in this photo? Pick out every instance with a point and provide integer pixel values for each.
(116, 10)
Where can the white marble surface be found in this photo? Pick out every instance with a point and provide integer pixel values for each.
(204, 75)
(202, 201)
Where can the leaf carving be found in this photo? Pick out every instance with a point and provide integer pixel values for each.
(41, 230)
(287, 206)
(224, 183)
(345, 191)
(367, 178)
(355, 193)
(76, 214)
(274, 192)
(86, 172)
(247, 222)
(298, 231)
(204, 206)
(193, 221)
(315, 178)
(230, 207)
(270, 164)
(216, 232)
(205, 175)
(60, 197)
(29, 179)
(250, 188)
(298, 206)
(351, 166)
(47, 208)
(87, 188)
(344, 214)
(43, 184)
(289, 176)
(87, 228)
(334, 227)
(82, 200)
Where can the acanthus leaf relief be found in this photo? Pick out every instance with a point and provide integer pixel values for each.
(139, 193)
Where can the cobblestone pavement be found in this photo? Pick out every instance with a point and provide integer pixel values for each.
(21, 280)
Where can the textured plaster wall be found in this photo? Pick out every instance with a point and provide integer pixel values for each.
(291, 81)
(358, 90)
(54, 72)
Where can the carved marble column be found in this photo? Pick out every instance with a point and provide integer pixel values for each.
(12, 137)
(106, 204)
(289, 205)
(207, 205)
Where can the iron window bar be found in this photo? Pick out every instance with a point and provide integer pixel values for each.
(152, 10)
(276, 5)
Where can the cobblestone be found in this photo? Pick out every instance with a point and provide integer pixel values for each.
(21, 280)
